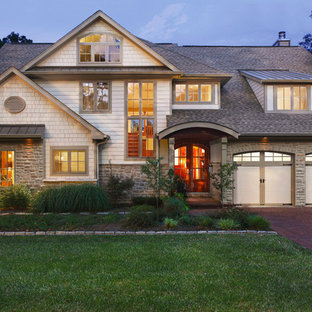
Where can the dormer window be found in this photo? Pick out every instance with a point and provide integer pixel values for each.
(100, 48)
(194, 93)
(291, 98)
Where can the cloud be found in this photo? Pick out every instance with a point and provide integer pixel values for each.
(162, 26)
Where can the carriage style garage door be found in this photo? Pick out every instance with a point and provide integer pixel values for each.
(308, 179)
(263, 178)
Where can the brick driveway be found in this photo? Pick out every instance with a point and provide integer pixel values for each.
(293, 223)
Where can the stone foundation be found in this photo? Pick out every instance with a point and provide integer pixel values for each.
(29, 161)
(297, 149)
(140, 188)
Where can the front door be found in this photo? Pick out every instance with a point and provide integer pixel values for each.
(191, 164)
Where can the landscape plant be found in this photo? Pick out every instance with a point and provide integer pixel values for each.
(258, 223)
(223, 179)
(71, 198)
(170, 223)
(16, 196)
(228, 224)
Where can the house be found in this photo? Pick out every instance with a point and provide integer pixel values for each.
(102, 99)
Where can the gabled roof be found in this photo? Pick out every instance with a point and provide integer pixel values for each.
(19, 54)
(96, 134)
(271, 76)
(99, 15)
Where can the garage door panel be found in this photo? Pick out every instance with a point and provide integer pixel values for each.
(278, 185)
(309, 184)
(247, 186)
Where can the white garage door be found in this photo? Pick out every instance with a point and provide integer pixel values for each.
(308, 179)
(263, 178)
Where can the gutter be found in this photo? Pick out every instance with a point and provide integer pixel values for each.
(97, 157)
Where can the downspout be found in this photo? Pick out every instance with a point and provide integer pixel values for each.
(98, 157)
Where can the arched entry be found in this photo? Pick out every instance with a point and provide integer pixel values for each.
(191, 162)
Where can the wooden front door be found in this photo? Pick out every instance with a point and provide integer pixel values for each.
(191, 164)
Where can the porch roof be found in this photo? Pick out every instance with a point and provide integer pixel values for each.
(22, 131)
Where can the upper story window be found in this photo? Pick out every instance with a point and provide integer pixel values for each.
(100, 48)
(95, 97)
(200, 93)
(291, 98)
(140, 119)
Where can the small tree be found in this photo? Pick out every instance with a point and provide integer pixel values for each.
(156, 179)
(14, 38)
(307, 40)
(223, 179)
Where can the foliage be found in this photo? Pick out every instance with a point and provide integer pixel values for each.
(239, 215)
(307, 40)
(17, 197)
(259, 223)
(170, 223)
(156, 179)
(228, 224)
(174, 207)
(223, 179)
(71, 198)
(14, 38)
(39, 222)
(185, 220)
(117, 187)
(139, 220)
(144, 200)
(142, 208)
(205, 221)
(175, 185)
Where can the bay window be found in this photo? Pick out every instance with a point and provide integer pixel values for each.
(140, 119)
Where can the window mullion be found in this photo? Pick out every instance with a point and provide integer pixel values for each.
(95, 95)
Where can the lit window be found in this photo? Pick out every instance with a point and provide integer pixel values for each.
(7, 168)
(254, 156)
(291, 98)
(270, 156)
(69, 162)
(140, 119)
(95, 97)
(308, 157)
(100, 48)
(193, 93)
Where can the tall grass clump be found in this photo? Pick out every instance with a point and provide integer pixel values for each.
(71, 198)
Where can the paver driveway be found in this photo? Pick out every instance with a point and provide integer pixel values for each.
(293, 223)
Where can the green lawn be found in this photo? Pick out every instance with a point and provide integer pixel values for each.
(154, 273)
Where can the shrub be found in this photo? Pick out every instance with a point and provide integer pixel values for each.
(16, 197)
(170, 223)
(144, 201)
(185, 220)
(142, 208)
(205, 221)
(228, 224)
(239, 215)
(258, 223)
(116, 188)
(71, 198)
(139, 220)
(174, 207)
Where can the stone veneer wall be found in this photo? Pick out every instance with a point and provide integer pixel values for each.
(140, 188)
(29, 161)
(297, 149)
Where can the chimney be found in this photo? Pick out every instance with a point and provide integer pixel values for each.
(282, 41)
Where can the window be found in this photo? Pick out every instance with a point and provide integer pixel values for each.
(100, 48)
(69, 161)
(95, 97)
(291, 98)
(254, 156)
(7, 168)
(308, 157)
(140, 121)
(269, 156)
(193, 92)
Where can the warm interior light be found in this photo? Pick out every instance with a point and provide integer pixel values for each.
(264, 140)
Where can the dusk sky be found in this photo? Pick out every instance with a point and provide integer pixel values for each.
(199, 22)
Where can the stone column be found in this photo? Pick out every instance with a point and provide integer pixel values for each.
(300, 196)
(171, 153)
(223, 150)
